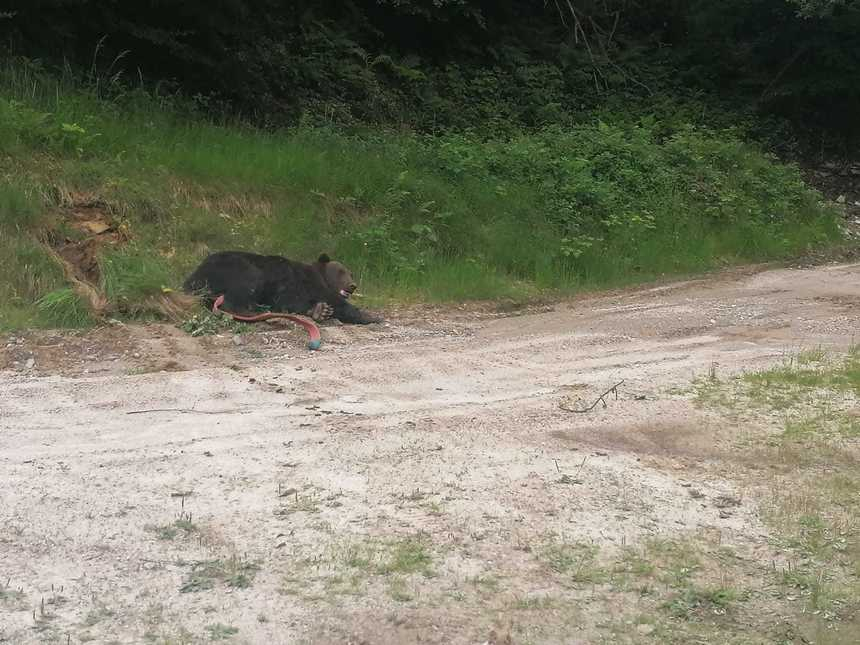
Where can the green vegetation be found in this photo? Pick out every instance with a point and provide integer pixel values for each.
(812, 399)
(813, 392)
(438, 64)
(354, 568)
(219, 632)
(181, 527)
(404, 556)
(804, 374)
(233, 572)
(445, 149)
(694, 601)
(575, 562)
(608, 201)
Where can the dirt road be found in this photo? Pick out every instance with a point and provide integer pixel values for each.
(407, 483)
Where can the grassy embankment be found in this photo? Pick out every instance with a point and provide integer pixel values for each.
(446, 218)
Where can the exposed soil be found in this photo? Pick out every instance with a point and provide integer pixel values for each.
(84, 228)
(441, 427)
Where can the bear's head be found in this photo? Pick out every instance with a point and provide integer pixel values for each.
(337, 276)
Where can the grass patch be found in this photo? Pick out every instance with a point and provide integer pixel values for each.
(407, 556)
(352, 569)
(131, 275)
(819, 532)
(575, 562)
(820, 523)
(445, 218)
(182, 527)
(803, 375)
(64, 308)
(219, 632)
(677, 561)
(31, 274)
(812, 398)
(669, 563)
(233, 572)
(403, 556)
(827, 423)
(815, 394)
(687, 589)
(694, 602)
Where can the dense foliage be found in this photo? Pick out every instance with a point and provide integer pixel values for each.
(445, 149)
(465, 63)
(451, 216)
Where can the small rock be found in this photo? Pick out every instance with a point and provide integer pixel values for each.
(238, 340)
(840, 199)
(645, 629)
(31, 362)
(136, 355)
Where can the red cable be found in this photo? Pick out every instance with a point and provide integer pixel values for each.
(309, 325)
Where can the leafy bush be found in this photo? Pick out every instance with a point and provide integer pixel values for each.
(606, 186)
(21, 124)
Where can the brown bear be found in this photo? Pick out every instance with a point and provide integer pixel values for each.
(249, 281)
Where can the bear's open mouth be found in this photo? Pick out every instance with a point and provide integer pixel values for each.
(345, 293)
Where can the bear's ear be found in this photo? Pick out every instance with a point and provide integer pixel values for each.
(323, 259)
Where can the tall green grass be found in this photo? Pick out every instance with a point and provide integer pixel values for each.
(28, 270)
(448, 218)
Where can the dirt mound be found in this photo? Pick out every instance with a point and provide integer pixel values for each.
(90, 220)
(83, 228)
